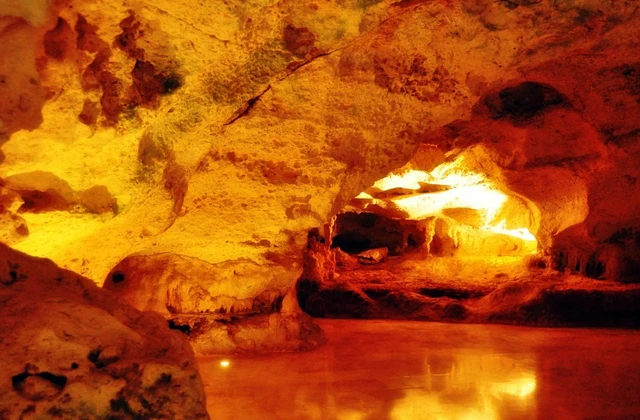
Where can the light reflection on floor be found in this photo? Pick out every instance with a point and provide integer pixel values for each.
(409, 370)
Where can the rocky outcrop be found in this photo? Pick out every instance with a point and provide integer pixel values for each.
(463, 290)
(214, 306)
(14, 226)
(72, 350)
(43, 191)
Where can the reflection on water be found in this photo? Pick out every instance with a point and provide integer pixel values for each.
(469, 386)
(379, 370)
(464, 385)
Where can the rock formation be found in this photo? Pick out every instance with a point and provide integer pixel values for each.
(226, 131)
(72, 350)
(221, 312)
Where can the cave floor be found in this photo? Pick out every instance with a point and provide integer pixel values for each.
(461, 277)
(489, 271)
(411, 370)
(502, 290)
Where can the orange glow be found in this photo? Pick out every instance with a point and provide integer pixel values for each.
(458, 187)
(521, 387)
(477, 197)
(494, 378)
(408, 179)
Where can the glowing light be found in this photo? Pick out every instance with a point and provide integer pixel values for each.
(409, 180)
(456, 175)
(477, 197)
(522, 387)
(468, 190)
(471, 386)
(225, 363)
(522, 233)
(363, 196)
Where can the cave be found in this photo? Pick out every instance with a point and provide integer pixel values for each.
(358, 209)
(458, 237)
(360, 232)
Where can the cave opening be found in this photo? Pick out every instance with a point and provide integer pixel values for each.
(423, 241)
(357, 233)
(452, 237)
(461, 207)
(451, 211)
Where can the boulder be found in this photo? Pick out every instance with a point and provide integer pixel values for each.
(214, 306)
(373, 256)
(72, 350)
(42, 191)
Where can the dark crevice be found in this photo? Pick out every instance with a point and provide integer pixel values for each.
(185, 329)
(523, 101)
(120, 405)
(296, 65)
(18, 381)
(94, 357)
(246, 107)
(58, 380)
(452, 293)
(375, 294)
(291, 68)
(118, 277)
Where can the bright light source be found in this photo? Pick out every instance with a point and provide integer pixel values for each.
(522, 387)
(363, 196)
(468, 190)
(225, 363)
(477, 197)
(522, 233)
(409, 180)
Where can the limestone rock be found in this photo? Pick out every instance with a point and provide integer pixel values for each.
(72, 350)
(373, 256)
(615, 255)
(344, 259)
(23, 96)
(206, 302)
(169, 284)
(43, 191)
(14, 227)
(225, 137)
(528, 295)
(97, 199)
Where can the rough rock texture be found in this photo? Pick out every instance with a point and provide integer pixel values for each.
(226, 130)
(506, 291)
(72, 350)
(43, 191)
(221, 312)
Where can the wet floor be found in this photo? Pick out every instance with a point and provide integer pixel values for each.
(410, 370)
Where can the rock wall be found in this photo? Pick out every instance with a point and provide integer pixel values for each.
(224, 131)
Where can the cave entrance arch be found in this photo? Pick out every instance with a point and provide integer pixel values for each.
(421, 241)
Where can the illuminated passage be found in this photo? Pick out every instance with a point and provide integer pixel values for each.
(472, 209)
